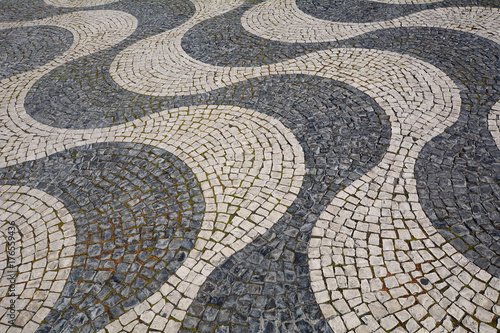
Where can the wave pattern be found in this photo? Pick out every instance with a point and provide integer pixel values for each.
(130, 236)
(249, 166)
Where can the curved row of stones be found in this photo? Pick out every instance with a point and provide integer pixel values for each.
(44, 247)
(128, 241)
(299, 190)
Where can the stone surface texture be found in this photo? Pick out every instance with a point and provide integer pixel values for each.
(249, 166)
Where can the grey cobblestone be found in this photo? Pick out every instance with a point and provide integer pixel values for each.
(42, 44)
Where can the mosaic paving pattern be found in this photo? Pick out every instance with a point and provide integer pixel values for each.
(249, 166)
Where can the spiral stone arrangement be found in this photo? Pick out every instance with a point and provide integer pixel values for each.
(249, 166)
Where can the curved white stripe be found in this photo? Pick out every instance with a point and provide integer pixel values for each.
(185, 75)
(494, 123)
(373, 244)
(375, 255)
(282, 20)
(92, 31)
(78, 3)
(159, 60)
(38, 236)
(250, 169)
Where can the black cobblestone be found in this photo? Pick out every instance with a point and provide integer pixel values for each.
(94, 287)
(24, 49)
(371, 11)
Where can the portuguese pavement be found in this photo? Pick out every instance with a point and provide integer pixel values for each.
(249, 166)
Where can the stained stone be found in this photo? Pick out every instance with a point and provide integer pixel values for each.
(252, 166)
(58, 168)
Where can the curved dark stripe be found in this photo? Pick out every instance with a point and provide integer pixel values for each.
(222, 41)
(23, 49)
(28, 10)
(137, 211)
(361, 11)
(159, 12)
(81, 93)
(266, 286)
(154, 16)
(458, 172)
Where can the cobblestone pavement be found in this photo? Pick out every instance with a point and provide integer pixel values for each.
(249, 166)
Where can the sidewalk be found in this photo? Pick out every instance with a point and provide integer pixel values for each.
(249, 166)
